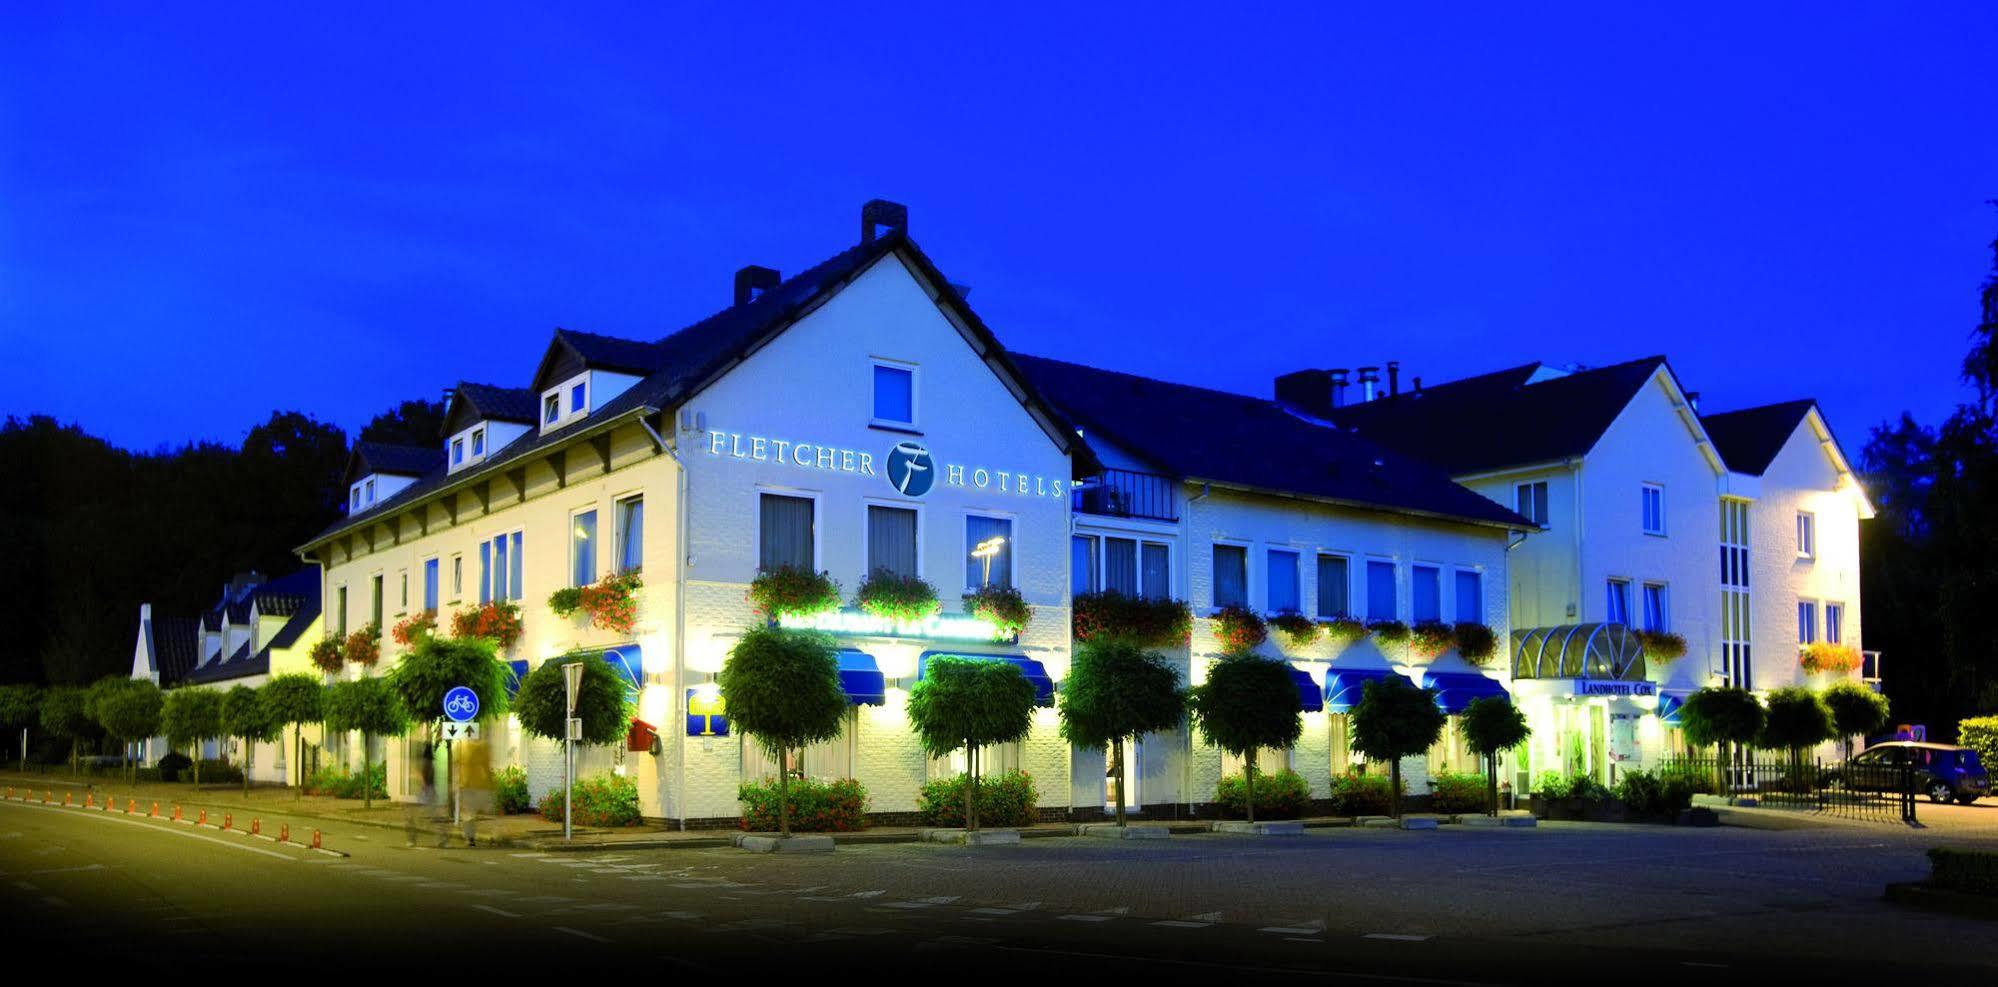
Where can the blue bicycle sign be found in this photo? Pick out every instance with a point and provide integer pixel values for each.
(461, 705)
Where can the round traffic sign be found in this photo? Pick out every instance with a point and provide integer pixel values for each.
(461, 704)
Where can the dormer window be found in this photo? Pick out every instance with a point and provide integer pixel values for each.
(371, 489)
(457, 452)
(565, 402)
(354, 499)
(551, 409)
(478, 442)
(578, 393)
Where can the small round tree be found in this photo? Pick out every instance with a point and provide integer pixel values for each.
(129, 712)
(370, 707)
(967, 703)
(20, 709)
(1797, 720)
(1395, 720)
(603, 700)
(1116, 689)
(782, 688)
(64, 713)
(436, 665)
(248, 718)
(1720, 717)
(1492, 724)
(295, 700)
(190, 716)
(1248, 703)
(1855, 709)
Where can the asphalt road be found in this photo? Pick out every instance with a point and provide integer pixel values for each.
(1561, 903)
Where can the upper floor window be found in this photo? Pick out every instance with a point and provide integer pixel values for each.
(1426, 593)
(1231, 576)
(578, 396)
(988, 551)
(1530, 501)
(630, 534)
(375, 604)
(1617, 610)
(457, 451)
(891, 540)
(370, 486)
(1807, 535)
(478, 442)
(430, 585)
(786, 533)
(551, 409)
(457, 578)
(1470, 596)
(1653, 498)
(1807, 621)
(354, 499)
(1654, 607)
(1334, 587)
(894, 394)
(340, 612)
(1285, 594)
(1380, 590)
(501, 568)
(1083, 562)
(1131, 566)
(1835, 623)
(583, 549)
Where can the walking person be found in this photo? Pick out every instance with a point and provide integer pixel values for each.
(475, 789)
(420, 813)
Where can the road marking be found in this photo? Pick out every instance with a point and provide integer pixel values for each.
(501, 912)
(867, 894)
(528, 856)
(1174, 924)
(861, 930)
(1025, 906)
(683, 916)
(910, 904)
(67, 870)
(581, 934)
(1393, 937)
(162, 829)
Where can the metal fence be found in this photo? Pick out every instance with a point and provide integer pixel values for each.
(1833, 789)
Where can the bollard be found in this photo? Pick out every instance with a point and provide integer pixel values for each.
(65, 799)
(156, 811)
(90, 800)
(315, 839)
(46, 796)
(256, 826)
(131, 806)
(284, 832)
(176, 812)
(110, 803)
(203, 821)
(228, 819)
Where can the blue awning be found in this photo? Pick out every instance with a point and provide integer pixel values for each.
(1343, 687)
(1669, 705)
(519, 670)
(628, 661)
(1032, 669)
(1455, 690)
(860, 676)
(1309, 695)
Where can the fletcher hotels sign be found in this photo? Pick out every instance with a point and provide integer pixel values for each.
(906, 466)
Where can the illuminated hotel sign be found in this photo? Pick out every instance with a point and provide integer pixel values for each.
(856, 623)
(907, 466)
(1592, 687)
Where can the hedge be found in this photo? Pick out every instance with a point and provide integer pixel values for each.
(1006, 800)
(1968, 871)
(605, 800)
(1356, 794)
(1279, 795)
(816, 806)
(1455, 794)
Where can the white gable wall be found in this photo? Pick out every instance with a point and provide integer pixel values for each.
(1800, 478)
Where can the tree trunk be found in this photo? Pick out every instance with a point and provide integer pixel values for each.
(1394, 786)
(72, 756)
(783, 791)
(298, 761)
(1491, 781)
(1249, 774)
(1720, 769)
(970, 786)
(247, 750)
(367, 775)
(197, 765)
(1117, 751)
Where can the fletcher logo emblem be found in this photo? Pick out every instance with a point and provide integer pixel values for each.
(910, 469)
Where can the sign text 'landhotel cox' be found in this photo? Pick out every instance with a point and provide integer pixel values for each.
(908, 466)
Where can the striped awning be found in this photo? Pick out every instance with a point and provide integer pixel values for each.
(1345, 686)
(1455, 690)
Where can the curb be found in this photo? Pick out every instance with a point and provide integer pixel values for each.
(131, 811)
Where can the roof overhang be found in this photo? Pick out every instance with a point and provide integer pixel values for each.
(1356, 505)
(1848, 478)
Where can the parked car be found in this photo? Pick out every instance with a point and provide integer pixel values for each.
(1945, 772)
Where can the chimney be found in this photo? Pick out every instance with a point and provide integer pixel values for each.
(1693, 398)
(881, 212)
(754, 280)
(1338, 375)
(1309, 391)
(1416, 386)
(1370, 378)
(1394, 377)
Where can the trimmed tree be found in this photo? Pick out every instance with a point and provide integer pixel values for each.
(248, 718)
(295, 700)
(1797, 720)
(603, 700)
(436, 665)
(129, 712)
(1720, 717)
(1248, 703)
(967, 703)
(20, 709)
(782, 688)
(1116, 689)
(1492, 724)
(372, 708)
(1855, 709)
(189, 716)
(64, 713)
(1395, 720)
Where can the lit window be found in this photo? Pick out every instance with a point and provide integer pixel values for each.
(894, 394)
(988, 543)
(1807, 535)
(583, 549)
(1285, 595)
(1231, 576)
(1531, 501)
(1618, 611)
(1654, 509)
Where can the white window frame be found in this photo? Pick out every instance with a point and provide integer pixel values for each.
(1250, 584)
(1297, 563)
(457, 578)
(1834, 630)
(1013, 542)
(1664, 603)
(424, 563)
(479, 442)
(817, 498)
(402, 577)
(1366, 579)
(1318, 553)
(457, 452)
(1807, 535)
(1647, 488)
(1628, 585)
(915, 394)
(560, 393)
(597, 566)
(1144, 540)
(1524, 484)
(519, 593)
(867, 560)
(1817, 617)
(617, 522)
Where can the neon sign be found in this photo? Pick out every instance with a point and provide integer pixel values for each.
(908, 466)
(856, 623)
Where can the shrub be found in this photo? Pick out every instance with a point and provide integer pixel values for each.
(1962, 869)
(905, 599)
(605, 800)
(790, 591)
(172, 765)
(1388, 631)
(1475, 642)
(498, 621)
(407, 630)
(217, 769)
(1646, 794)
(1587, 787)
(326, 655)
(1279, 795)
(1824, 656)
(1296, 629)
(1455, 794)
(1431, 637)
(1553, 785)
(1007, 800)
(610, 603)
(339, 782)
(1980, 733)
(1001, 606)
(816, 806)
(1239, 629)
(510, 790)
(364, 647)
(1150, 623)
(1344, 631)
(1357, 794)
(1696, 782)
(1662, 645)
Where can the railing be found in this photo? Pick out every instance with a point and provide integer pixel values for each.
(1128, 493)
(1869, 668)
(1835, 788)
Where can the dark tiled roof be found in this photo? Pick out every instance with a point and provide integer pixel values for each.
(1194, 433)
(1749, 439)
(692, 357)
(176, 647)
(500, 404)
(242, 664)
(239, 610)
(630, 356)
(212, 620)
(1498, 420)
(381, 457)
(287, 595)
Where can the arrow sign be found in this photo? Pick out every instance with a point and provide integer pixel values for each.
(454, 730)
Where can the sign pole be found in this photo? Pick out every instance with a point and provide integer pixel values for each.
(572, 678)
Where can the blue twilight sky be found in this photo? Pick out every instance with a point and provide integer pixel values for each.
(208, 215)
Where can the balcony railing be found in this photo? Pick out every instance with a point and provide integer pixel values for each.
(1128, 493)
(1869, 668)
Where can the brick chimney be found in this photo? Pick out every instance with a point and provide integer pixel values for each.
(880, 212)
(754, 280)
(1370, 379)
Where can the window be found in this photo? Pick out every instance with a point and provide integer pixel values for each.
(1231, 576)
(1470, 596)
(500, 569)
(1426, 592)
(1380, 590)
(1284, 592)
(457, 577)
(1618, 610)
(1133, 567)
(551, 409)
(579, 397)
(785, 533)
(457, 451)
(1530, 500)
(891, 540)
(583, 549)
(402, 599)
(375, 599)
(630, 534)
(1807, 621)
(1334, 587)
(988, 551)
(354, 498)
(1082, 565)
(1807, 535)
(340, 613)
(430, 585)
(1155, 571)
(894, 394)
(1120, 566)
(485, 573)
(478, 442)
(1654, 607)
(1653, 498)
(1835, 623)
(371, 490)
